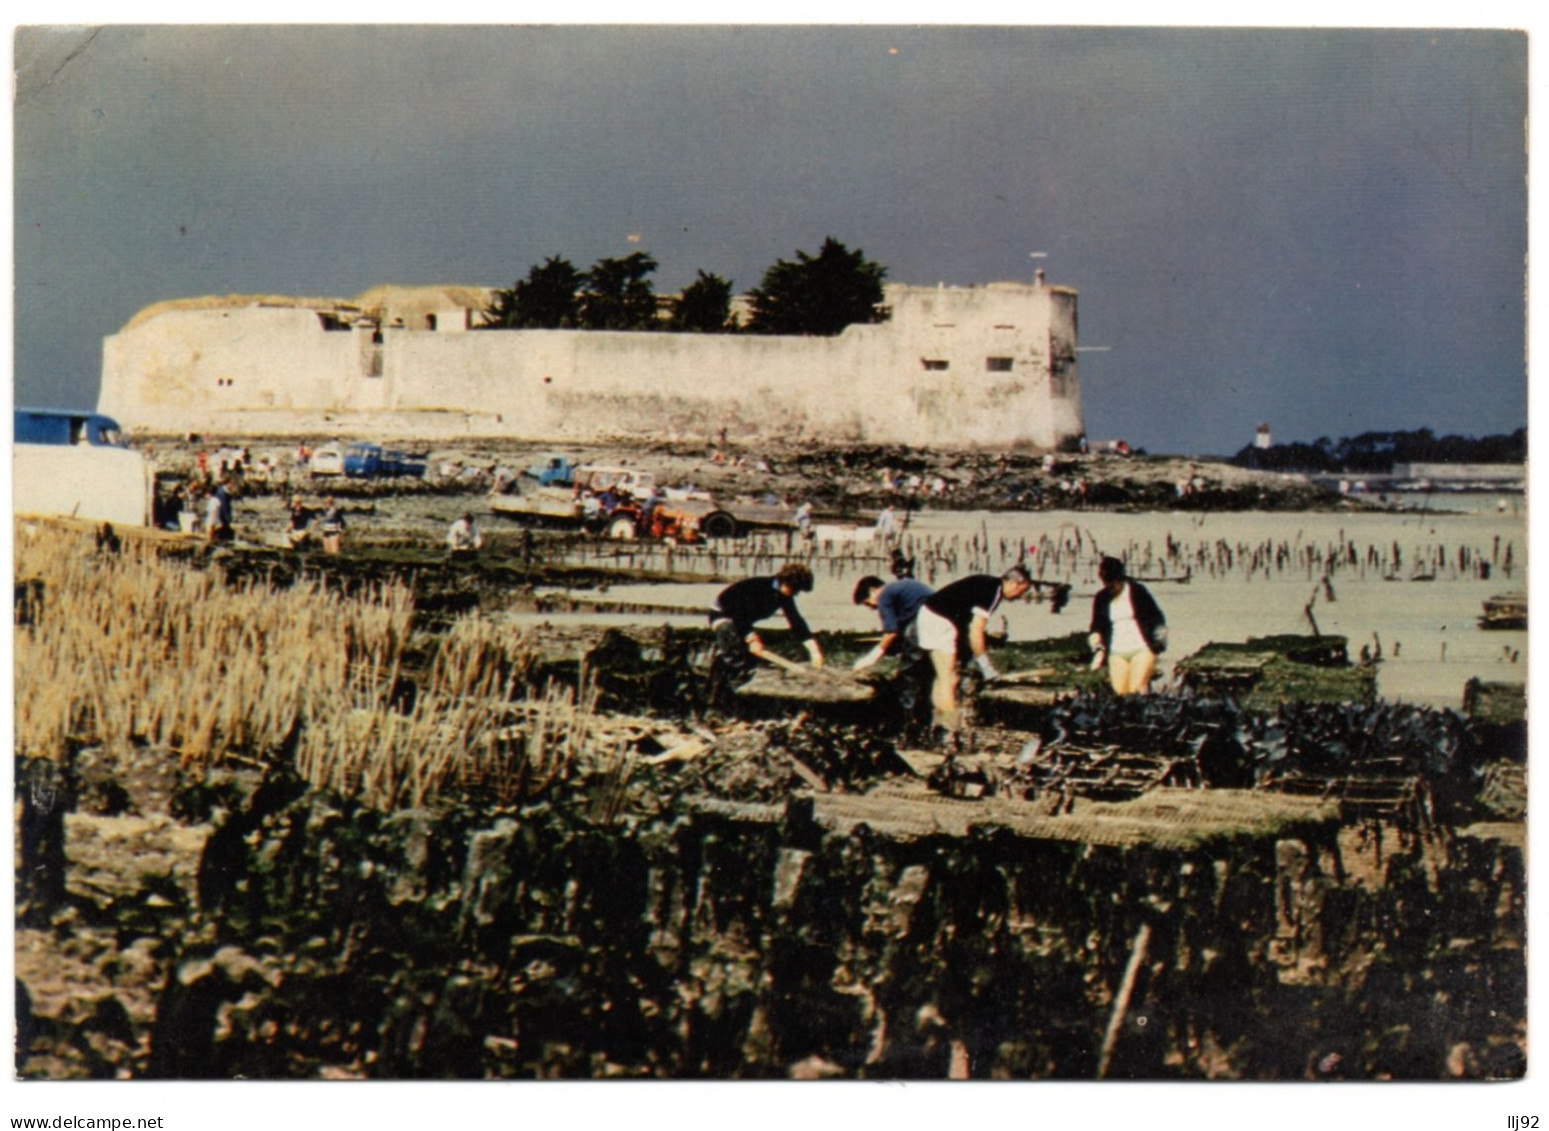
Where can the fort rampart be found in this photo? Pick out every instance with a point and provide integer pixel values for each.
(993, 365)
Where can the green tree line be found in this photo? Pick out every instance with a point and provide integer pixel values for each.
(812, 295)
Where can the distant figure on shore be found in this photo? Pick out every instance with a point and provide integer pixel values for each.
(1128, 630)
(804, 520)
(298, 523)
(210, 519)
(648, 510)
(887, 523)
(464, 538)
(107, 539)
(331, 527)
(217, 514)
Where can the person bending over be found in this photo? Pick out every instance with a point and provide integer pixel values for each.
(951, 625)
(463, 537)
(740, 606)
(898, 606)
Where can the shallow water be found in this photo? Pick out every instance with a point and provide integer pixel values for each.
(1430, 642)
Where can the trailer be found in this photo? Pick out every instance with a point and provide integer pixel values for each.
(613, 515)
(538, 506)
(76, 465)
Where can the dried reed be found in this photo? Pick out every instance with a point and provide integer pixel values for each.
(133, 650)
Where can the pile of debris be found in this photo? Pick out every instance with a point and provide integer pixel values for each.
(1401, 762)
(1269, 670)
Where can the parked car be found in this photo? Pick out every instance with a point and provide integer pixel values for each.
(327, 460)
(638, 484)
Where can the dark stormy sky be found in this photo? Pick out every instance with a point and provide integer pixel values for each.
(1322, 229)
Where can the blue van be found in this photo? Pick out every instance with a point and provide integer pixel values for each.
(61, 426)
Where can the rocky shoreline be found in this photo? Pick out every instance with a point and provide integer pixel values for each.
(841, 482)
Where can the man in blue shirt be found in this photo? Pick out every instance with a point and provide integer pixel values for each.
(898, 604)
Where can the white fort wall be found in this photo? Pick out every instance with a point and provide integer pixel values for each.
(970, 366)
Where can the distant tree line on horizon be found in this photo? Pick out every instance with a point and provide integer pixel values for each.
(1378, 452)
(816, 295)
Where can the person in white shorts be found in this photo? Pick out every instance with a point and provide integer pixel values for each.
(951, 625)
(1128, 630)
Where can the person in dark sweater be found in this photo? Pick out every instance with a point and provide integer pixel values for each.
(740, 606)
(1128, 630)
(951, 627)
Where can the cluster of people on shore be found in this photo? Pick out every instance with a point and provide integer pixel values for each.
(464, 539)
(1189, 485)
(240, 467)
(330, 525)
(754, 463)
(202, 506)
(913, 484)
(934, 633)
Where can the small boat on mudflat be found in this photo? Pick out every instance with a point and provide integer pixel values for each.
(1505, 610)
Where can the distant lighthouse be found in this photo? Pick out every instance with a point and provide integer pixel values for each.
(1261, 437)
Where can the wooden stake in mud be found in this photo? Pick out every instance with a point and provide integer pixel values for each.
(1137, 955)
(1307, 609)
